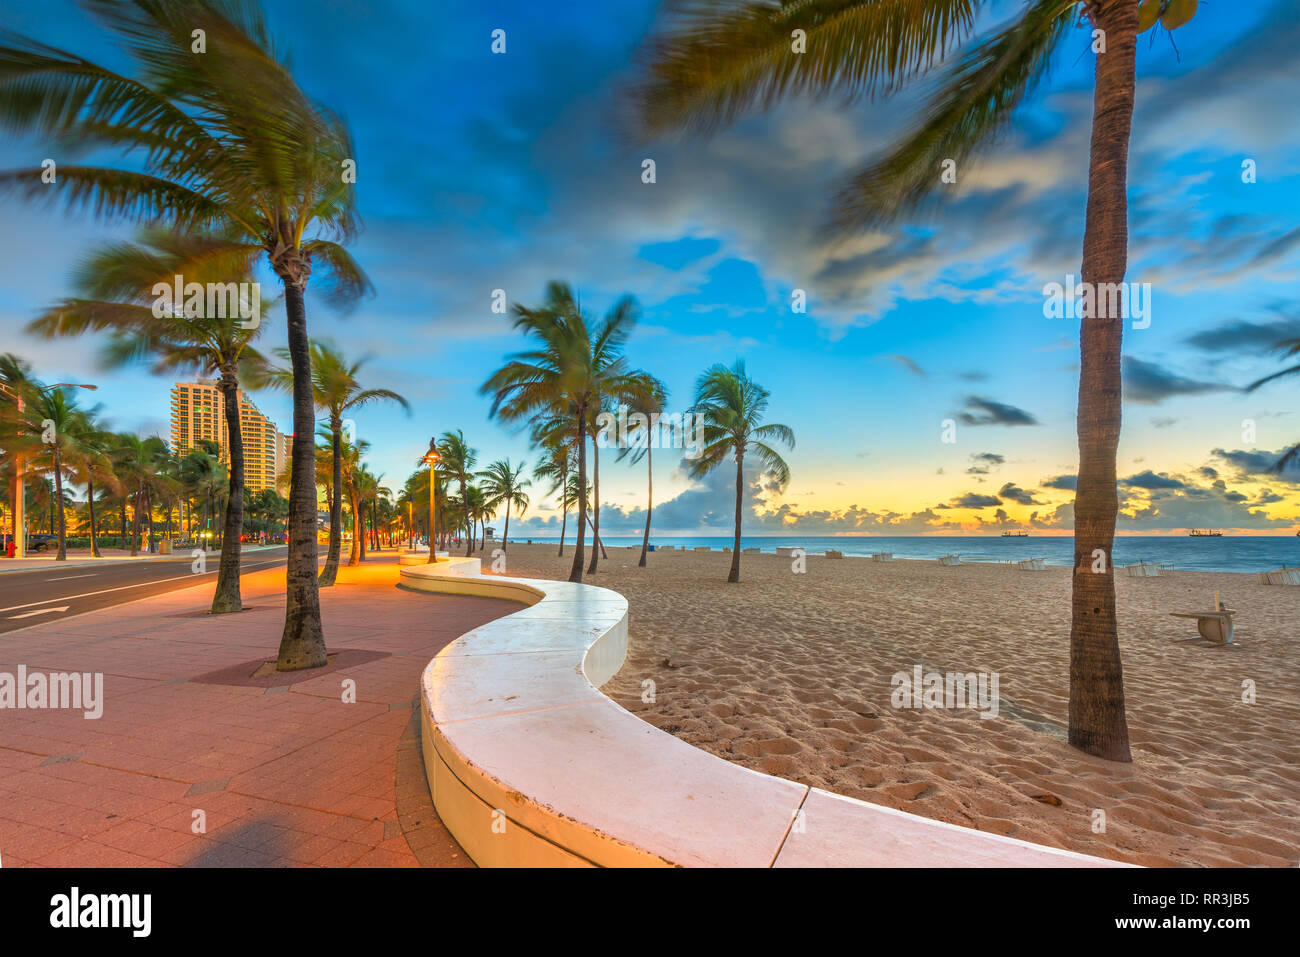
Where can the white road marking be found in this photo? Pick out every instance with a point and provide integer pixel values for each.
(39, 611)
(104, 591)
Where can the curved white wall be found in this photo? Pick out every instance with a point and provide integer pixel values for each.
(530, 765)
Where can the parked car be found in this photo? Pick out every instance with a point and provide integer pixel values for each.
(39, 543)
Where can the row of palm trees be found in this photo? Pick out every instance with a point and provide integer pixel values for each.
(63, 444)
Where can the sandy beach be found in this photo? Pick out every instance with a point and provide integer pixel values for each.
(790, 674)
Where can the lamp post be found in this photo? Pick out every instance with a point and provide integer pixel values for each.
(432, 458)
(17, 487)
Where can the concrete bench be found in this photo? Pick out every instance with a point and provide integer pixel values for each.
(529, 764)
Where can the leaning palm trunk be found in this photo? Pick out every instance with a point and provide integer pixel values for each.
(649, 504)
(302, 644)
(469, 524)
(1097, 721)
(505, 536)
(227, 597)
(330, 572)
(734, 574)
(564, 506)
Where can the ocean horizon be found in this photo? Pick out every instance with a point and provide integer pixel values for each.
(1235, 553)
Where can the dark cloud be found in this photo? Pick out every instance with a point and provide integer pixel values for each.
(988, 412)
(984, 463)
(1150, 480)
(1245, 336)
(975, 500)
(1150, 384)
(1069, 483)
(1256, 464)
(1014, 493)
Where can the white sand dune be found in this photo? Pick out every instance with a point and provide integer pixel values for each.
(790, 674)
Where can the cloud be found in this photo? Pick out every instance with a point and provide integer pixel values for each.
(908, 363)
(1254, 464)
(1149, 480)
(985, 462)
(1067, 482)
(1150, 384)
(1246, 336)
(989, 412)
(975, 500)
(1014, 493)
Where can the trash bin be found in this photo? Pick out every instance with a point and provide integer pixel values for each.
(165, 547)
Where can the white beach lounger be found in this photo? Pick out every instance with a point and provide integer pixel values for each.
(950, 560)
(1142, 570)
(1032, 565)
(1281, 576)
(883, 557)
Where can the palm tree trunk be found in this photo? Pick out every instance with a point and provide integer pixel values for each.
(505, 537)
(354, 553)
(90, 501)
(564, 507)
(469, 524)
(1097, 722)
(227, 597)
(595, 507)
(575, 573)
(302, 644)
(62, 556)
(649, 504)
(148, 517)
(121, 541)
(331, 570)
(135, 521)
(734, 574)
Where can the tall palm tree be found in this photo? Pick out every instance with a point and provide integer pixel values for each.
(92, 466)
(732, 406)
(137, 462)
(1288, 347)
(336, 391)
(719, 61)
(569, 373)
(457, 464)
(226, 141)
(504, 484)
(116, 294)
(202, 475)
(648, 401)
(52, 423)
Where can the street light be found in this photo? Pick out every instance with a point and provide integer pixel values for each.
(431, 459)
(17, 486)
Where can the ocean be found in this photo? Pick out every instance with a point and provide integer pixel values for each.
(1231, 553)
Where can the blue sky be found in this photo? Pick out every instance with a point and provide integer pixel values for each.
(479, 171)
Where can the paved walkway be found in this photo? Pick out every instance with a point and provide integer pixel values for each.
(278, 773)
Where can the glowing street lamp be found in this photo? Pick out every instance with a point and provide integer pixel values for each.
(431, 459)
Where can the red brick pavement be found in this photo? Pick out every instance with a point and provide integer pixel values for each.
(284, 776)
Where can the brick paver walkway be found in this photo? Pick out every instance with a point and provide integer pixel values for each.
(279, 774)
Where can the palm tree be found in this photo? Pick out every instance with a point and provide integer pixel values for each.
(569, 373)
(457, 464)
(116, 288)
(137, 463)
(202, 475)
(1288, 347)
(336, 391)
(716, 63)
(649, 401)
(732, 406)
(52, 423)
(555, 467)
(228, 142)
(92, 464)
(504, 484)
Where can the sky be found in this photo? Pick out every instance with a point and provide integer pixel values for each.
(928, 391)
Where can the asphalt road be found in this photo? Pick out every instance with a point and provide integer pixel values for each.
(54, 591)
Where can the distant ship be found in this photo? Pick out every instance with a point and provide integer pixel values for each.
(1023, 534)
(1205, 533)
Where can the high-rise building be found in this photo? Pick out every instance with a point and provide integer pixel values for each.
(198, 412)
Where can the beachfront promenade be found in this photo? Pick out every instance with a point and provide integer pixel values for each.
(277, 770)
(201, 759)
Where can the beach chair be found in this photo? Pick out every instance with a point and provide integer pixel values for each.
(703, 548)
(1142, 570)
(1281, 576)
(883, 557)
(1213, 626)
(950, 560)
(1032, 565)
(831, 553)
(751, 551)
